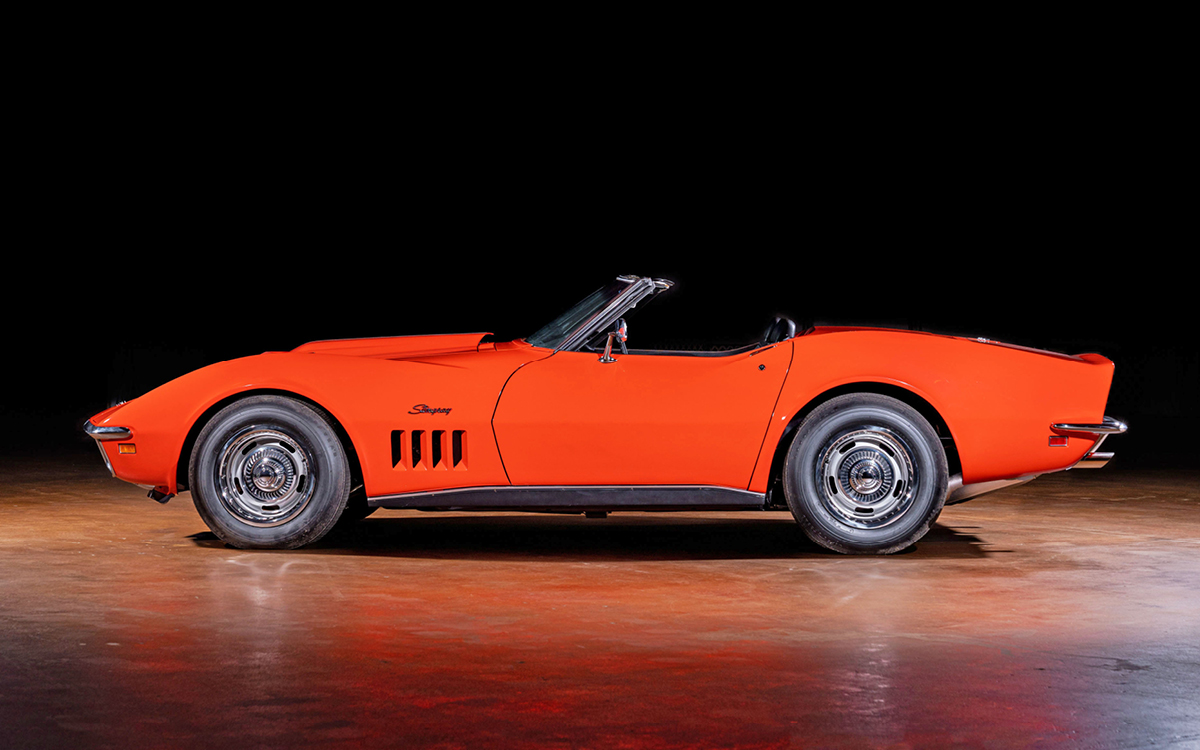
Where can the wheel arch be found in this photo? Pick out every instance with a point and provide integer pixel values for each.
(185, 453)
(913, 399)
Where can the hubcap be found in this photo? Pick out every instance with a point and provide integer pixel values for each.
(867, 477)
(265, 477)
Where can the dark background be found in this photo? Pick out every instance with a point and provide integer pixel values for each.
(157, 249)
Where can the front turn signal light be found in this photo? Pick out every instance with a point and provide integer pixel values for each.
(126, 448)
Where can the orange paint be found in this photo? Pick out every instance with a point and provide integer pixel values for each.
(533, 416)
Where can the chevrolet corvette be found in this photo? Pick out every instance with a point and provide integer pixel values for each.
(864, 434)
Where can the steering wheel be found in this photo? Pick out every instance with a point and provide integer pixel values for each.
(780, 329)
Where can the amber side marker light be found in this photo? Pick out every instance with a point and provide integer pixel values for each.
(1058, 441)
(126, 448)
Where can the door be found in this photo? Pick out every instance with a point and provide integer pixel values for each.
(571, 419)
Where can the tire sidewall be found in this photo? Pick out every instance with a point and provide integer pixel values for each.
(839, 416)
(312, 432)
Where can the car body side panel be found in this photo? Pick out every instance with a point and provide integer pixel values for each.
(998, 400)
(643, 419)
(370, 397)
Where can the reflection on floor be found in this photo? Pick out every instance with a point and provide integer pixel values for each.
(1063, 611)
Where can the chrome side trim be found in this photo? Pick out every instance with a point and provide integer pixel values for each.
(957, 492)
(578, 497)
(106, 433)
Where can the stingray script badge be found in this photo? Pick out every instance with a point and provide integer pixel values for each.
(425, 409)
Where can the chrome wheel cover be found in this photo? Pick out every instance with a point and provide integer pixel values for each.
(867, 478)
(264, 477)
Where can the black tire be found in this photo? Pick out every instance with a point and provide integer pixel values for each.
(268, 472)
(865, 474)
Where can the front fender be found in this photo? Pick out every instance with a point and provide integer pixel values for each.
(369, 397)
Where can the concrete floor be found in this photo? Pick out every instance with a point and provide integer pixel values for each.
(1062, 613)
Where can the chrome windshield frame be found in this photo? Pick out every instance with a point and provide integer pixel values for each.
(639, 288)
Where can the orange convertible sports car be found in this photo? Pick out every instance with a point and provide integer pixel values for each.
(864, 434)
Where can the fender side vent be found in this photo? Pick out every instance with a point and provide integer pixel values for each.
(398, 449)
(458, 448)
(418, 437)
(435, 444)
(440, 450)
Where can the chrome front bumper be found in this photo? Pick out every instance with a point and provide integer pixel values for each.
(1093, 459)
(104, 434)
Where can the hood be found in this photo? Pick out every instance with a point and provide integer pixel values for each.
(396, 347)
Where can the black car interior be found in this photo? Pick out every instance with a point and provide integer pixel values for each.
(781, 329)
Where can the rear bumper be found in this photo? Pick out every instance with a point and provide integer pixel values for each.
(1093, 459)
(957, 492)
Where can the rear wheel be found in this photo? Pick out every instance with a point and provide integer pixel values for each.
(866, 474)
(269, 472)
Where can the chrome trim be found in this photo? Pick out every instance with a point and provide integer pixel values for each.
(607, 356)
(106, 433)
(1109, 427)
(493, 487)
(639, 288)
(265, 477)
(577, 497)
(874, 475)
(957, 492)
(1094, 460)
(105, 457)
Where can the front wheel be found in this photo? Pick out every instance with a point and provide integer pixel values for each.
(269, 472)
(866, 474)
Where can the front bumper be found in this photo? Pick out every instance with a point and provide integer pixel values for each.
(105, 434)
(109, 433)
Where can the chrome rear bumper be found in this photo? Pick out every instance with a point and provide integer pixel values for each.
(1110, 426)
(958, 492)
(1093, 459)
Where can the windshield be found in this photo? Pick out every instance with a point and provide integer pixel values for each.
(551, 335)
